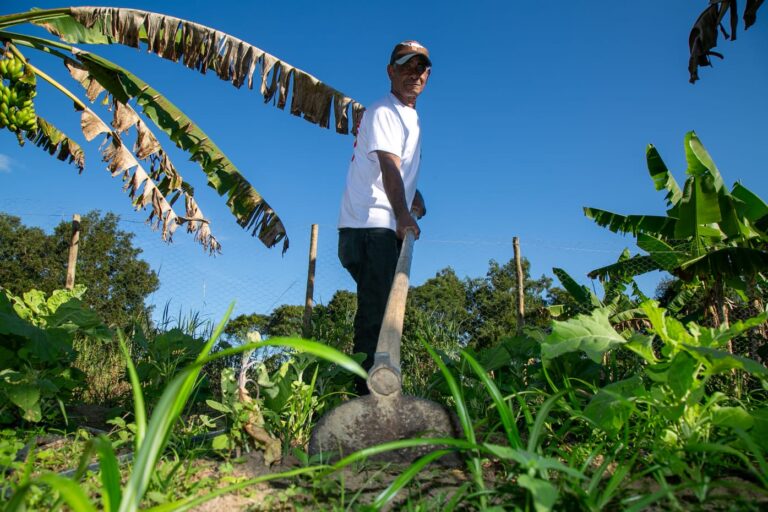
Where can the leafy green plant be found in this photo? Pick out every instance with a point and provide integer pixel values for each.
(244, 415)
(670, 396)
(152, 435)
(519, 460)
(612, 467)
(445, 336)
(122, 432)
(161, 358)
(284, 403)
(11, 446)
(37, 375)
(302, 403)
(584, 300)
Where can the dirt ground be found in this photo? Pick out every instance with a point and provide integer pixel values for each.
(359, 484)
(433, 487)
(354, 485)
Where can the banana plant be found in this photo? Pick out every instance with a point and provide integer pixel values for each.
(615, 299)
(711, 237)
(151, 179)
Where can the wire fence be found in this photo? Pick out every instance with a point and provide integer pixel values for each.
(259, 280)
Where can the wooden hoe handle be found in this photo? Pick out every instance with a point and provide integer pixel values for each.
(384, 377)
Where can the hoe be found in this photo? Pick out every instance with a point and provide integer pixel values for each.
(385, 414)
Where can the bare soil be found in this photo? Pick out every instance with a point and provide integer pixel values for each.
(349, 487)
(358, 486)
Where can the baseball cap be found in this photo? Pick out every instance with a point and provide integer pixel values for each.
(407, 49)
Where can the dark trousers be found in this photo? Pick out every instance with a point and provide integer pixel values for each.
(370, 255)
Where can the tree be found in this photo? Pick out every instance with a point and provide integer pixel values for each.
(711, 238)
(197, 47)
(108, 264)
(445, 294)
(241, 325)
(493, 301)
(334, 323)
(286, 320)
(437, 313)
(24, 253)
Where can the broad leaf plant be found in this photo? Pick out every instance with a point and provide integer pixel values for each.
(712, 239)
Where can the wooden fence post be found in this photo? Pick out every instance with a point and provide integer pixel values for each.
(520, 287)
(307, 328)
(74, 244)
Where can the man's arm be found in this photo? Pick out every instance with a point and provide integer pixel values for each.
(393, 187)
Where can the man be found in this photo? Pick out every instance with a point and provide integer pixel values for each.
(381, 192)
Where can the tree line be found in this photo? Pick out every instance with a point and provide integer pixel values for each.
(478, 310)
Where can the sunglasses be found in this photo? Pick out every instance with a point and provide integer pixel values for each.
(413, 65)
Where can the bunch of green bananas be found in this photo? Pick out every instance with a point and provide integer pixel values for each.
(11, 68)
(17, 110)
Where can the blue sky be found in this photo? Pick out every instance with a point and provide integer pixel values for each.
(533, 110)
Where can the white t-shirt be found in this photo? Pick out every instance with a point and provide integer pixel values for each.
(387, 125)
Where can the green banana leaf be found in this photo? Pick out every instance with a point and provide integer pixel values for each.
(580, 293)
(750, 206)
(729, 261)
(51, 139)
(662, 253)
(699, 206)
(635, 266)
(662, 178)
(632, 224)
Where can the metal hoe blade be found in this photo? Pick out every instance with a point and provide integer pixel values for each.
(371, 420)
(386, 414)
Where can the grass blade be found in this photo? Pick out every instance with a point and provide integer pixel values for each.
(85, 461)
(167, 411)
(82, 468)
(461, 406)
(403, 479)
(191, 502)
(718, 448)
(513, 435)
(541, 417)
(610, 489)
(110, 474)
(464, 418)
(310, 347)
(524, 407)
(139, 408)
(756, 451)
(456, 498)
(641, 503)
(16, 503)
(70, 492)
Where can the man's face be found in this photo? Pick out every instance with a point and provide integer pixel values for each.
(408, 79)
